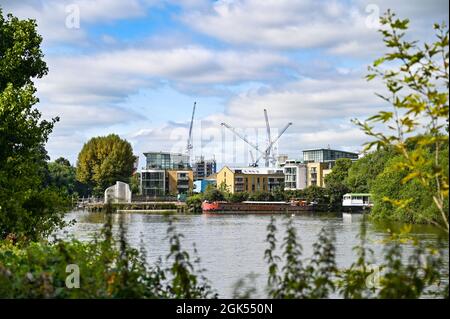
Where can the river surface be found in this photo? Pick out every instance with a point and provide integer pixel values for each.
(232, 246)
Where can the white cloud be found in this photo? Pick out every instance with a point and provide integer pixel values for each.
(51, 15)
(281, 24)
(111, 77)
(337, 26)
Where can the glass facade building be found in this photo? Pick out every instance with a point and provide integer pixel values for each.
(153, 183)
(326, 155)
(160, 160)
(204, 168)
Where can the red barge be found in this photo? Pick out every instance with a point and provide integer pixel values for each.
(253, 207)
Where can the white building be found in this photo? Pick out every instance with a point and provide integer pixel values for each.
(119, 193)
(295, 175)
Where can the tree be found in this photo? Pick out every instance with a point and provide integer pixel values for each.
(238, 197)
(20, 52)
(213, 194)
(417, 79)
(315, 193)
(103, 161)
(62, 175)
(410, 203)
(63, 161)
(27, 209)
(135, 183)
(363, 172)
(335, 183)
(339, 172)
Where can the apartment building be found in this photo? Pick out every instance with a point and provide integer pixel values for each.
(295, 174)
(166, 174)
(250, 179)
(203, 168)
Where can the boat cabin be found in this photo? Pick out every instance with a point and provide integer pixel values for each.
(357, 200)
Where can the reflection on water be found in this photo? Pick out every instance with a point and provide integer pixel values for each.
(232, 246)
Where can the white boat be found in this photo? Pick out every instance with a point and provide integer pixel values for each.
(356, 202)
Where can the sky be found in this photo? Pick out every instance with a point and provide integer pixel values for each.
(136, 67)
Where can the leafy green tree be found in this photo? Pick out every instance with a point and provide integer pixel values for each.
(135, 183)
(261, 196)
(213, 194)
(315, 193)
(363, 172)
(410, 203)
(21, 57)
(194, 203)
(339, 173)
(417, 80)
(103, 161)
(63, 161)
(62, 175)
(238, 197)
(27, 209)
(335, 186)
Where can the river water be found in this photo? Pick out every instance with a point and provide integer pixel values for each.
(232, 246)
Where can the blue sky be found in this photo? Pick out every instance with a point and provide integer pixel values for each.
(136, 67)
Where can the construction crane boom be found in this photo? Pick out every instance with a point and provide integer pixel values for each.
(267, 154)
(189, 146)
(269, 138)
(241, 137)
(269, 147)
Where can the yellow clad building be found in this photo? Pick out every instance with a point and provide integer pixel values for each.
(180, 181)
(316, 173)
(250, 179)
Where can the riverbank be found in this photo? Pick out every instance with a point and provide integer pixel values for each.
(174, 207)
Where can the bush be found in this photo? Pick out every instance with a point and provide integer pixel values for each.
(238, 197)
(194, 203)
(109, 268)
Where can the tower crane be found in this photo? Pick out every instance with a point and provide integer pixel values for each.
(269, 147)
(189, 145)
(267, 154)
(269, 150)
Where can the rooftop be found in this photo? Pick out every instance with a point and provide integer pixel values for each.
(160, 152)
(256, 170)
(327, 149)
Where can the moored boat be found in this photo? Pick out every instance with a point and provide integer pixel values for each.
(256, 207)
(356, 202)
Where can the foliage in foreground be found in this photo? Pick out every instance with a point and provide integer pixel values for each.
(417, 81)
(109, 268)
(27, 207)
(291, 276)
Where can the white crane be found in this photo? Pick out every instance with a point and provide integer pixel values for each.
(270, 147)
(189, 145)
(252, 163)
(269, 150)
(267, 154)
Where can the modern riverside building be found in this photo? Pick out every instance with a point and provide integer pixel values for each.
(316, 173)
(166, 174)
(203, 168)
(295, 174)
(163, 160)
(320, 161)
(322, 155)
(250, 179)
